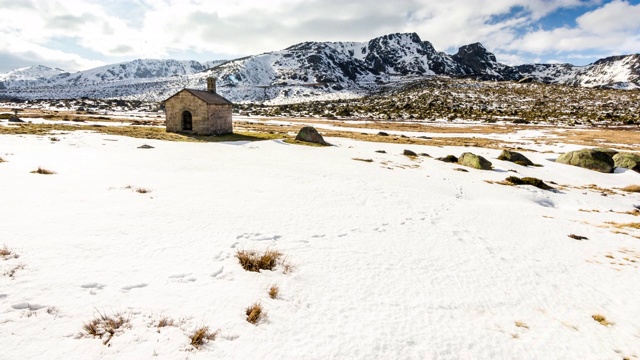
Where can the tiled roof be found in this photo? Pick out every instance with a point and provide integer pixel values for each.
(209, 98)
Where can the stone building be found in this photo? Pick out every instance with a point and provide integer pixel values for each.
(199, 112)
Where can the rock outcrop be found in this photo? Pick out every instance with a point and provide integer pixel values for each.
(589, 159)
(474, 161)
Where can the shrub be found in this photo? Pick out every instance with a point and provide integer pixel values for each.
(201, 336)
(254, 313)
(255, 261)
(43, 171)
(165, 321)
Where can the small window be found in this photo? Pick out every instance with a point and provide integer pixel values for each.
(187, 123)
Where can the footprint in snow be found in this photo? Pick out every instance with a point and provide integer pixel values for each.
(217, 272)
(27, 306)
(137, 286)
(93, 287)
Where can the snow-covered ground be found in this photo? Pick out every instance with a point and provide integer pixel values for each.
(392, 259)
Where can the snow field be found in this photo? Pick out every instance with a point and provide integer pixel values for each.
(397, 258)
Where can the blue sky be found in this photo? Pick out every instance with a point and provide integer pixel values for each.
(81, 34)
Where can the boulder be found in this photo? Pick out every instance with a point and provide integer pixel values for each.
(607, 151)
(589, 159)
(310, 134)
(14, 118)
(474, 161)
(515, 157)
(409, 153)
(627, 160)
(382, 133)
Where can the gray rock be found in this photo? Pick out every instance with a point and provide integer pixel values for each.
(589, 159)
(607, 151)
(409, 153)
(15, 119)
(474, 161)
(310, 134)
(515, 157)
(627, 160)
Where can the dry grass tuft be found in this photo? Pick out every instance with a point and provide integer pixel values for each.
(105, 326)
(43, 171)
(142, 190)
(254, 261)
(361, 159)
(601, 319)
(254, 313)
(12, 271)
(201, 336)
(274, 291)
(630, 188)
(520, 324)
(2, 160)
(164, 322)
(5, 253)
(578, 237)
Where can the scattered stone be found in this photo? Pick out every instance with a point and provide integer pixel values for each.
(409, 153)
(381, 151)
(474, 161)
(578, 237)
(627, 160)
(404, 136)
(515, 157)
(589, 159)
(382, 133)
(425, 137)
(15, 119)
(310, 134)
(425, 155)
(54, 138)
(448, 159)
(461, 170)
(363, 160)
(528, 181)
(145, 146)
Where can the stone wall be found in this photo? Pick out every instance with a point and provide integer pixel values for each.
(220, 120)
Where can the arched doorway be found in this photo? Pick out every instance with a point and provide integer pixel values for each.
(187, 123)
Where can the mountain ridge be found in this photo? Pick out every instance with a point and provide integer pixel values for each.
(309, 71)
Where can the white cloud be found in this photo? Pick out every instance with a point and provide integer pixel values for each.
(96, 31)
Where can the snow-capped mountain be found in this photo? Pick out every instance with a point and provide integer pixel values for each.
(309, 70)
(621, 72)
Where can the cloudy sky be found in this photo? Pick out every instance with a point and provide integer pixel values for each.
(82, 34)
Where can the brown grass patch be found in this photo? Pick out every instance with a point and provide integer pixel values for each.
(201, 336)
(254, 313)
(251, 260)
(142, 190)
(2, 160)
(274, 291)
(602, 320)
(43, 171)
(631, 188)
(106, 326)
(624, 225)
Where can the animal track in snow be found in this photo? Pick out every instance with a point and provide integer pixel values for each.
(258, 237)
(27, 306)
(93, 287)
